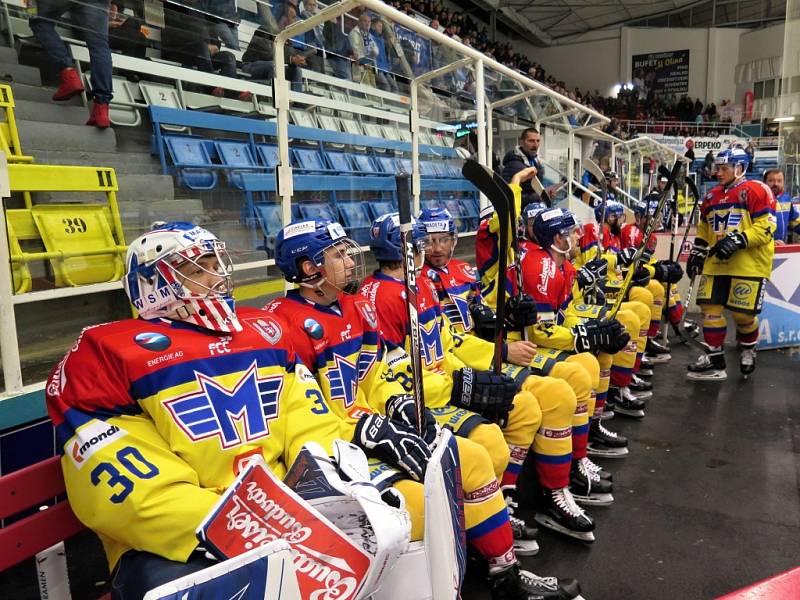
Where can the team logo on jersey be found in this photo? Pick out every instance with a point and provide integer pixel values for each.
(266, 328)
(469, 271)
(155, 342)
(91, 438)
(369, 313)
(313, 328)
(430, 341)
(215, 410)
(464, 316)
(726, 221)
(343, 375)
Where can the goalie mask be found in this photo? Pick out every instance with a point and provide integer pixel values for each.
(182, 272)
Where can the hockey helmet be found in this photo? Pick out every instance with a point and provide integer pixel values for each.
(609, 175)
(733, 156)
(166, 277)
(308, 240)
(550, 222)
(384, 237)
(437, 220)
(613, 207)
(645, 208)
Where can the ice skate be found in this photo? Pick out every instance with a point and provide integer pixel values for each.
(625, 403)
(514, 583)
(525, 543)
(747, 359)
(640, 385)
(709, 366)
(587, 487)
(559, 512)
(601, 472)
(656, 353)
(604, 443)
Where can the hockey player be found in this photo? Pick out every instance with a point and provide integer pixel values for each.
(338, 336)
(733, 252)
(154, 415)
(542, 413)
(787, 213)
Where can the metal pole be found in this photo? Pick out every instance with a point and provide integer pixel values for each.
(480, 118)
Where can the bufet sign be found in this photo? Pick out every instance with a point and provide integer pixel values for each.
(258, 508)
(779, 325)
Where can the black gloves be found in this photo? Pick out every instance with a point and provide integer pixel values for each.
(483, 392)
(483, 319)
(641, 277)
(600, 336)
(593, 274)
(403, 409)
(668, 271)
(520, 311)
(725, 247)
(625, 258)
(697, 258)
(394, 443)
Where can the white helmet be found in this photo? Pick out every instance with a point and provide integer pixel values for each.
(157, 289)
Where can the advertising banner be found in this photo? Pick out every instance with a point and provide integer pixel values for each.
(662, 72)
(417, 49)
(779, 325)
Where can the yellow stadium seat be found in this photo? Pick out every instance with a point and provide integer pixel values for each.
(9, 136)
(20, 273)
(80, 238)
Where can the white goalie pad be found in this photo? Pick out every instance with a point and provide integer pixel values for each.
(264, 573)
(340, 489)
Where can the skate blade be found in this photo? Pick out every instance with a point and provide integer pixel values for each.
(526, 547)
(636, 414)
(594, 499)
(658, 359)
(610, 453)
(712, 376)
(607, 415)
(545, 521)
(646, 395)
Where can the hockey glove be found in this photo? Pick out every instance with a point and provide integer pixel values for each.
(483, 392)
(600, 336)
(725, 247)
(593, 274)
(668, 271)
(483, 319)
(520, 311)
(625, 258)
(641, 277)
(403, 409)
(697, 258)
(394, 443)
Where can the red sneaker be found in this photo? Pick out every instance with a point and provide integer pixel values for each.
(245, 96)
(70, 85)
(218, 92)
(99, 117)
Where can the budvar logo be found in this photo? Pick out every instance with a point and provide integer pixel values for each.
(90, 439)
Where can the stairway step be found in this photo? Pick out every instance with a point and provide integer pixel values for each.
(122, 162)
(8, 55)
(35, 135)
(50, 112)
(145, 188)
(16, 73)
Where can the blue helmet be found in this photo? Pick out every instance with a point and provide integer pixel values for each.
(645, 208)
(547, 223)
(437, 220)
(308, 240)
(733, 156)
(384, 237)
(612, 208)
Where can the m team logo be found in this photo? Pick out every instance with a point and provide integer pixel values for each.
(215, 410)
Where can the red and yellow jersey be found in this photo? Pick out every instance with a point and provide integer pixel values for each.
(551, 287)
(456, 287)
(631, 237)
(487, 241)
(588, 243)
(747, 207)
(342, 346)
(154, 419)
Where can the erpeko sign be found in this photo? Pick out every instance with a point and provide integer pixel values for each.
(258, 508)
(701, 145)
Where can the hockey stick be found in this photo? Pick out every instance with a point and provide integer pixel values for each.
(595, 170)
(410, 281)
(481, 178)
(648, 231)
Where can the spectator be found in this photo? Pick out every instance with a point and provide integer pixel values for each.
(338, 49)
(187, 38)
(227, 27)
(258, 60)
(751, 155)
(125, 32)
(92, 15)
(314, 38)
(525, 155)
(288, 17)
(383, 75)
(707, 170)
(365, 51)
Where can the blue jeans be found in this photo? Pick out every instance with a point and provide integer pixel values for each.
(139, 572)
(264, 70)
(91, 17)
(341, 67)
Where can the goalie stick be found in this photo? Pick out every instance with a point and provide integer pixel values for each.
(410, 281)
(648, 231)
(481, 178)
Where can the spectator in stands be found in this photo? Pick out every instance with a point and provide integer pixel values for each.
(339, 52)
(525, 155)
(91, 16)
(125, 32)
(258, 60)
(188, 38)
(751, 154)
(707, 170)
(365, 51)
(314, 38)
(383, 75)
(288, 17)
(227, 28)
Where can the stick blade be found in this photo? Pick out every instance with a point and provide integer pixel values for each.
(481, 178)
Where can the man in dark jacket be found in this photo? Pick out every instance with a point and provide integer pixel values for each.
(525, 155)
(259, 59)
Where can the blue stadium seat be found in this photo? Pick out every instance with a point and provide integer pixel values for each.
(428, 168)
(310, 161)
(355, 220)
(268, 154)
(239, 155)
(269, 219)
(405, 164)
(457, 209)
(191, 161)
(363, 164)
(340, 162)
(316, 210)
(387, 164)
(429, 203)
(381, 207)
